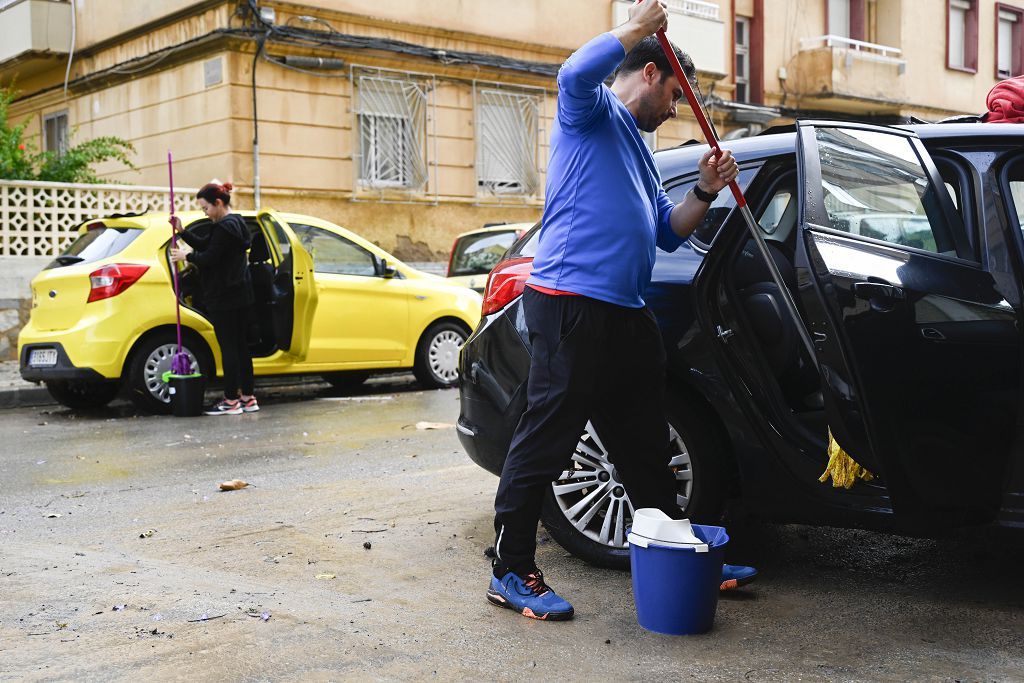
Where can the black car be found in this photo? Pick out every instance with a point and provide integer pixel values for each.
(901, 248)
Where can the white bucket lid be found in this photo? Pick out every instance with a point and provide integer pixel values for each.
(651, 525)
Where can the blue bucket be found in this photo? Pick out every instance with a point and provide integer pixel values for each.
(676, 588)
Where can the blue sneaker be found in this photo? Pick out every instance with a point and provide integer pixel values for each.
(736, 575)
(529, 596)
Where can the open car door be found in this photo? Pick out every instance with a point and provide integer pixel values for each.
(293, 295)
(919, 351)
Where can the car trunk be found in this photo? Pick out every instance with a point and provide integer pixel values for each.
(61, 290)
(59, 297)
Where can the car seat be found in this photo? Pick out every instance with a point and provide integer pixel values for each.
(772, 324)
(261, 272)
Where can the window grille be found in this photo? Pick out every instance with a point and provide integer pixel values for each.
(391, 117)
(506, 146)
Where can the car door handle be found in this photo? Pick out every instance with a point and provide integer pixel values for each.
(881, 296)
(877, 290)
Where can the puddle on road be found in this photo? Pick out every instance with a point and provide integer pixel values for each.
(89, 473)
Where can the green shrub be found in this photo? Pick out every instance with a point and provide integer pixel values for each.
(20, 160)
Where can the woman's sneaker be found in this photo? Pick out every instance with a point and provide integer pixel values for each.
(225, 407)
(529, 596)
(249, 405)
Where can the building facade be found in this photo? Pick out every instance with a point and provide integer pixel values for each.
(410, 121)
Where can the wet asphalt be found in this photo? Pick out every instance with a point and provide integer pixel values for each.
(357, 552)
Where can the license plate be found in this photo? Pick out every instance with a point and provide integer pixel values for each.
(42, 358)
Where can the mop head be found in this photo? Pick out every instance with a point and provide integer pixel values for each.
(181, 364)
(843, 469)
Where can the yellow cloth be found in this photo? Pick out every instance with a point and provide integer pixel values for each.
(843, 469)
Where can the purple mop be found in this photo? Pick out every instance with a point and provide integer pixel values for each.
(181, 364)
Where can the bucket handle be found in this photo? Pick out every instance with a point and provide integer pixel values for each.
(643, 542)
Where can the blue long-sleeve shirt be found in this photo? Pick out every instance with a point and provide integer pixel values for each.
(605, 209)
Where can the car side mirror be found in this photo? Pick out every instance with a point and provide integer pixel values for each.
(387, 271)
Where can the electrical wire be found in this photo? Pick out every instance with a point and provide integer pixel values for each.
(71, 48)
(309, 72)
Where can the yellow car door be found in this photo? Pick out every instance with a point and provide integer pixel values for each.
(362, 319)
(294, 300)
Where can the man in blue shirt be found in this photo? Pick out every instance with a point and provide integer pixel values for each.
(596, 349)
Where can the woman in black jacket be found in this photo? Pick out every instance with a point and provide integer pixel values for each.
(227, 292)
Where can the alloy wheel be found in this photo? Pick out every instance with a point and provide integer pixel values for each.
(157, 363)
(592, 497)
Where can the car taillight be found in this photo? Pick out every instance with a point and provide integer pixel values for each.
(506, 282)
(111, 280)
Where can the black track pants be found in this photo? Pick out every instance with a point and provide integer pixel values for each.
(591, 361)
(230, 326)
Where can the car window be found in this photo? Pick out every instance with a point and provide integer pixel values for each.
(526, 246)
(875, 186)
(477, 254)
(780, 208)
(97, 243)
(704, 234)
(334, 254)
(281, 236)
(1015, 200)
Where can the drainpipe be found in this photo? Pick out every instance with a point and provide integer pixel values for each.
(256, 124)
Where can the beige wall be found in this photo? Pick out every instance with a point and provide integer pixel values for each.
(307, 126)
(918, 27)
(100, 20)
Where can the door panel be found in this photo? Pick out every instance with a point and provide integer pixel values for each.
(919, 352)
(362, 316)
(360, 320)
(294, 296)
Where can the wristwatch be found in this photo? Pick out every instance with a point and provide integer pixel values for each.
(706, 197)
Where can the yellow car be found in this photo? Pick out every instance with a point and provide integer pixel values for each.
(474, 253)
(327, 302)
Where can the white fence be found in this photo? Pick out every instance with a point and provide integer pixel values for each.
(38, 219)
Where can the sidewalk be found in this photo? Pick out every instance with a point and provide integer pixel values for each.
(16, 392)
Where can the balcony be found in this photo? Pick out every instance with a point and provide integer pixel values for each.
(692, 25)
(33, 34)
(849, 75)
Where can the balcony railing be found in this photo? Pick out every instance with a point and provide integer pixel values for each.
(695, 26)
(860, 48)
(696, 8)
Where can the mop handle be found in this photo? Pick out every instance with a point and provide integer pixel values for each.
(174, 242)
(741, 202)
(698, 111)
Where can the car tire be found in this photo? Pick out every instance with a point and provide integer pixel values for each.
(437, 355)
(150, 359)
(346, 381)
(699, 472)
(83, 395)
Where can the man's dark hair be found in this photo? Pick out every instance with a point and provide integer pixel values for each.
(649, 50)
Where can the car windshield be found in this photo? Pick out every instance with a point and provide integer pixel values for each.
(95, 244)
(477, 254)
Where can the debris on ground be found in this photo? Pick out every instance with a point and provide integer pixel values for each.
(367, 545)
(233, 485)
(117, 608)
(325, 575)
(356, 398)
(434, 425)
(53, 515)
(148, 533)
(205, 617)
